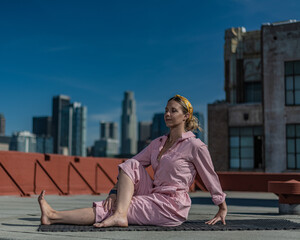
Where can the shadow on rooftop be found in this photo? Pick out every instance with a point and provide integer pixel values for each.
(30, 219)
(18, 225)
(243, 202)
(255, 214)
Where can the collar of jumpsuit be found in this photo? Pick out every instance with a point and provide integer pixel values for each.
(184, 135)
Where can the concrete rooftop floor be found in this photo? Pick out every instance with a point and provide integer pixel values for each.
(19, 218)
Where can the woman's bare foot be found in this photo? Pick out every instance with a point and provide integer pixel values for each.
(46, 210)
(117, 220)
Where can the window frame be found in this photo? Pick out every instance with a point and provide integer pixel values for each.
(294, 138)
(254, 132)
(293, 74)
(253, 85)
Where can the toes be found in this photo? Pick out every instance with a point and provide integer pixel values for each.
(98, 225)
(42, 195)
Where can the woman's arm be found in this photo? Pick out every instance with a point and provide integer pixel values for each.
(205, 169)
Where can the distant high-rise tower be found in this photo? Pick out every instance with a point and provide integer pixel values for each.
(159, 127)
(41, 127)
(2, 125)
(57, 105)
(108, 130)
(144, 135)
(73, 130)
(108, 145)
(129, 125)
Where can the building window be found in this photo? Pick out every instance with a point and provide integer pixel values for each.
(293, 146)
(253, 92)
(246, 147)
(292, 83)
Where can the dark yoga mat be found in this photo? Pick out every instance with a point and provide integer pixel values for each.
(231, 225)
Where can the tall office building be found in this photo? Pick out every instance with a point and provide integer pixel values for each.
(2, 125)
(144, 135)
(108, 144)
(108, 130)
(41, 127)
(159, 127)
(58, 103)
(23, 141)
(73, 130)
(129, 125)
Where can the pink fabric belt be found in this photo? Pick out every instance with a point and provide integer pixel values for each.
(172, 190)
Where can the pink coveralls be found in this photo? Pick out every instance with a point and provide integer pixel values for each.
(165, 200)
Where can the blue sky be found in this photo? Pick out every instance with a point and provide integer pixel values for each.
(93, 51)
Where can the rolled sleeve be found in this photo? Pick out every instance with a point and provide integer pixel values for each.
(144, 156)
(205, 169)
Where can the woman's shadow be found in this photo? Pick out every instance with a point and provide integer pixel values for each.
(29, 219)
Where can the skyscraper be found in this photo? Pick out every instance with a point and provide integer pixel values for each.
(129, 125)
(108, 145)
(73, 129)
(2, 124)
(144, 135)
(108, 130)
(58, 103)
(41, 127)
(159, 127)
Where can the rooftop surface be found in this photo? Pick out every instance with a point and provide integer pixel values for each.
(19, 218)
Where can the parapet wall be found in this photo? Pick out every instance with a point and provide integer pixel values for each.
(27, 174)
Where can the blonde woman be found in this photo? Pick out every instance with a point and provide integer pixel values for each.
(164, 201)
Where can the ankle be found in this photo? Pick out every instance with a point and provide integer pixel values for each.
(121, 213)
(52, 215)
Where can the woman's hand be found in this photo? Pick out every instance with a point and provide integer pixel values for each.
(109, 202)
(221, 215)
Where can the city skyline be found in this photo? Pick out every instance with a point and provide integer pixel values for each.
(94, 51)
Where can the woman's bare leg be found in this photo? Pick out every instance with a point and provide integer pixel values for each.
(84, 216)
(124, 196)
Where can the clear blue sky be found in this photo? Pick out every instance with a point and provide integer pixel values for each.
(93, 51)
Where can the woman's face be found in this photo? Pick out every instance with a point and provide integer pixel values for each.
(174, 115)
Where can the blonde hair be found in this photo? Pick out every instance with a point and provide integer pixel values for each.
(192, 123)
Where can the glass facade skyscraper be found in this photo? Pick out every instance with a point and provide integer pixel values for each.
(73, 130)
(58, 103)
(41, 127)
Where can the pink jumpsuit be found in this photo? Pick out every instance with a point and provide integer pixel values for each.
(165, 200)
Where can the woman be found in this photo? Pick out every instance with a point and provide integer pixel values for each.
(164, 201)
